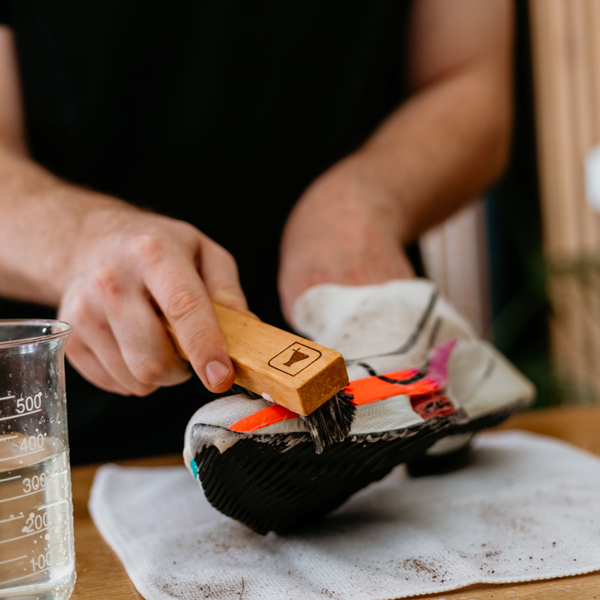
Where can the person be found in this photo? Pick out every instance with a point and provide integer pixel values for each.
(153, 160)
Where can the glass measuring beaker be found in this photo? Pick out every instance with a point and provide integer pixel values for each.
(37, 557)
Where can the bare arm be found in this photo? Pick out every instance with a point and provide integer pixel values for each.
(106, 265)
(446, 143)
(451, 138)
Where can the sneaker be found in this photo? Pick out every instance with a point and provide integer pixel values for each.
(486, 387)
(413, 362)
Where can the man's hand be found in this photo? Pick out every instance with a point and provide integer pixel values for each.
(342, 230)
(127, 264)
(110, 267)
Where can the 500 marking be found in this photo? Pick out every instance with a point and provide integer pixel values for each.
(29, 403)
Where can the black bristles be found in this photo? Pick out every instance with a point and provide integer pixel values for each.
(331, 422)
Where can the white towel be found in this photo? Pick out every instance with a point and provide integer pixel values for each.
(526, 507)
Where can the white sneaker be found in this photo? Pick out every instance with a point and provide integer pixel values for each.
(419, 379)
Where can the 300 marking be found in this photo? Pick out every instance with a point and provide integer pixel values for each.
(35, 483)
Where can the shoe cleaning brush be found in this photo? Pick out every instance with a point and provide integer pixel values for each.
(331, 422)
(304, 377)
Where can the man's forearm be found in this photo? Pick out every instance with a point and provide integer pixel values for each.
(43, 222)
(108, 267)
(450, 139)
(440, 148)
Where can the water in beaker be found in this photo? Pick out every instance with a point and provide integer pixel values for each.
(36, 512)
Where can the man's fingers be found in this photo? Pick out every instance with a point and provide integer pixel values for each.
(146, 347)
(221, 279)
(101, 341)
(87, 364)
(183, 299)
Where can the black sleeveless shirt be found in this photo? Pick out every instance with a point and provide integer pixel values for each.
(216, 113)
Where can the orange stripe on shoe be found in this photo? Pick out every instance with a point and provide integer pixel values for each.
(371, 389)
(263, 418)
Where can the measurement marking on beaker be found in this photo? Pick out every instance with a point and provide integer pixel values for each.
(7, 398)
(19, 456)
(12, 437)
(23, 536)
(23, 495)
(10, 478)
(12, 519)
(28, 575)
(51, 504)
(3, 562)
(21, 415)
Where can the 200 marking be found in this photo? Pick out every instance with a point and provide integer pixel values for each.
(36, 522)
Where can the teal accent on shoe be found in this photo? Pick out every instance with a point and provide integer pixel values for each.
(194, 468)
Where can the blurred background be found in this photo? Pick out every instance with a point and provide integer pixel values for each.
(524, 262)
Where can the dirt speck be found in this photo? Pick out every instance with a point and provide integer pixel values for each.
(421, 566)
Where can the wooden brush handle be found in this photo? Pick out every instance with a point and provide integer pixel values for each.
(293, 372)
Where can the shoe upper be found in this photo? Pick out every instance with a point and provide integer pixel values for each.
(410, 357)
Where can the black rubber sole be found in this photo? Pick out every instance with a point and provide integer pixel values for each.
(422, 464)
(280, 484)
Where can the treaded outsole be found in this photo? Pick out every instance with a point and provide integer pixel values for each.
(280, 484)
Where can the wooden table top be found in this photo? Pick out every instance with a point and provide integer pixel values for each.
(101, 575)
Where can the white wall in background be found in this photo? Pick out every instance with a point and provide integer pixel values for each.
(455, 256)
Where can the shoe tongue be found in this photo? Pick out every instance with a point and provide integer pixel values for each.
(356, 320)
(393, 323)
